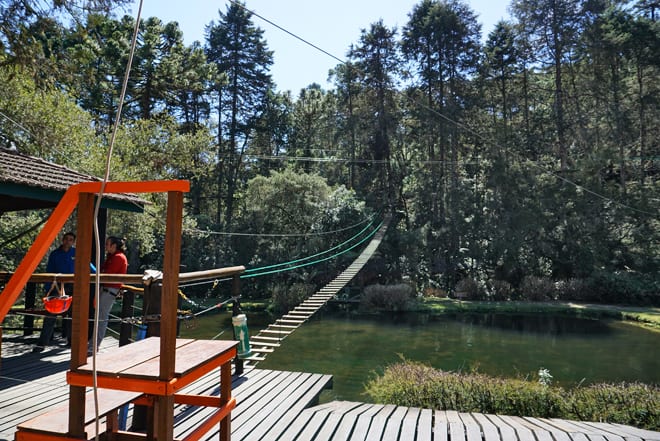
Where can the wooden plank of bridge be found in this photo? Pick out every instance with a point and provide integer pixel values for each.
(488, 429)
(441, 427)
(375, 431)
(331, 423)
(345, 428)
(541, 433)
(524, 434)
(593, 432)
(472, 428)
(506, 432)
(393, 424)
(408, 424)
(289, 408)
(313, 426)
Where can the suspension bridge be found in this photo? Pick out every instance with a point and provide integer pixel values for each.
(266, 340)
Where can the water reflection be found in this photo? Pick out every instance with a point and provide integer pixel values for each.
(353, 348)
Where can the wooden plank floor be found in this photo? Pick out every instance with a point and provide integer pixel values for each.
(342, 421)
(277, 405)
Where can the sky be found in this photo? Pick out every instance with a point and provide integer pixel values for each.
(332, 25)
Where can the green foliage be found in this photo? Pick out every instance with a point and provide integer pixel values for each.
(527, 163)
(285, 297)
(537, 289)
(41, 122)
(626, 403)
(469, 289)
(623, 287)
(387, 297)
(416, 385)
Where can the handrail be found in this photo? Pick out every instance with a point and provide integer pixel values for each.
(57, 220)
(132, 279)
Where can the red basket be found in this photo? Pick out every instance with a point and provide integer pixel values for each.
(57, 304)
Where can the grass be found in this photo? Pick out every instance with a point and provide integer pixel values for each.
(648, 317)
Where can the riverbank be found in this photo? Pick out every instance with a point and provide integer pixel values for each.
(648, 317)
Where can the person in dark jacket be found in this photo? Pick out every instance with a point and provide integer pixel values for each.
(60, 261)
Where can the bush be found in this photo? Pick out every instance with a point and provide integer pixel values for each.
(623, 287)
(537, 289)
(501, 290)
(416, 385)
(387, 298)
(573, 289)
(469, 289)
(625, 403)
(286, 298)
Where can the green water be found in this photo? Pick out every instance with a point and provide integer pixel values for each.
(355, 348)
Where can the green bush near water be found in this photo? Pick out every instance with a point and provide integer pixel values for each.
(416, 385)
(387, 297)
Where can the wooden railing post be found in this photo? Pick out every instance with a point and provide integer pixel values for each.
(80, 316)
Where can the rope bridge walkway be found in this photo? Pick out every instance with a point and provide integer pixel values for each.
(268, 339)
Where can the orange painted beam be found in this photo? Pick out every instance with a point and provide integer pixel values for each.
(147, 386)
(212, 420)
(198, 400)
(56, 221)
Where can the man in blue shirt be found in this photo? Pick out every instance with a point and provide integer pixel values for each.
(62, 261)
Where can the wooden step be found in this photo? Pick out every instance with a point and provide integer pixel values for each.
(276, 331)
(257, 349)
(256, 341)
(277, 325)
(291, 319)
(267, 339)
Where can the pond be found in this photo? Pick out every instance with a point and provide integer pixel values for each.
(354, 348)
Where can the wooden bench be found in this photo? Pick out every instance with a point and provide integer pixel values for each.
(54, 424)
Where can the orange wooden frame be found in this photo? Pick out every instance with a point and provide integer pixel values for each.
(56, 221)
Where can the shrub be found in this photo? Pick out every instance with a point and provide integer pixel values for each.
(434, 292)
(501, 290)
(623, 287)
(537, 288)
(572, 289)
(625, 403)
(286, 298)
(416, 385)
(469, 289)
(387, 297)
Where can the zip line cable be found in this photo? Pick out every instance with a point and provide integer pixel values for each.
(97, 208)
(235, 3)
(320, 233)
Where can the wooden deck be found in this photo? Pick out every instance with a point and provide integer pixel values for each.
(277, 405)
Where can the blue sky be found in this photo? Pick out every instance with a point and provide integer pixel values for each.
(331, 25)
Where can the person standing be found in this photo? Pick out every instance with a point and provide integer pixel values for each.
(115, 263)
(60, 261)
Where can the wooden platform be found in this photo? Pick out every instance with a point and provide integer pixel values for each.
(31, 383)
(343, 420)
(277, 405)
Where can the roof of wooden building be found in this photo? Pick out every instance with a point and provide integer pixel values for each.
(28, 182)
